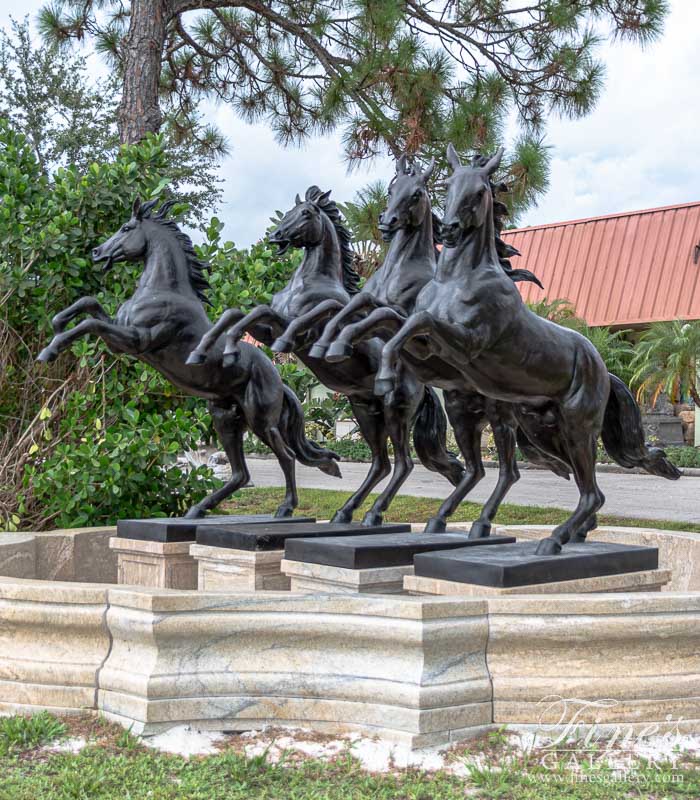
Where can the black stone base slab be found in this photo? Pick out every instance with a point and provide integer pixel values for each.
(179, 529)
(518, 565)
(381, 549)
(262, 536)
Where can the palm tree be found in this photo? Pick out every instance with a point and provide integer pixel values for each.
(560, 311)
(666, 360)
(362, 216)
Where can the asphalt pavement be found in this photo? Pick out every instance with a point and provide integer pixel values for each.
(627, 495)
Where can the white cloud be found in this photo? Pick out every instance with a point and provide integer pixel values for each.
(638, 148)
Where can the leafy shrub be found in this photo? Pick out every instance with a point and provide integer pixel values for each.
(93, 437)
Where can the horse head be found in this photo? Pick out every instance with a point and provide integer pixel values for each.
(135, 241)
(408, 200)
(469, 203)
(302, 225)
(130, 242)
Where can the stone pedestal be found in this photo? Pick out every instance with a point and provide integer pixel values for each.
(311, 578)
(225, 569)
(646, 581)
(162, 565)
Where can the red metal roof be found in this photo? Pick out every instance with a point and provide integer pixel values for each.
(620, 269)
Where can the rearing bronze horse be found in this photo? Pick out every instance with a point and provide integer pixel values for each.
(160, 324)
(392, 291)
(472, 319)
(324, 282)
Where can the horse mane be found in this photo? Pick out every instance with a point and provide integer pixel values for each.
(351, 279)
(500, 211)
(196, 267)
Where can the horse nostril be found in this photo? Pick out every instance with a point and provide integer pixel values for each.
(95, 252)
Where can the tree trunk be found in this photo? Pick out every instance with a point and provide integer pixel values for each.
(139, 109)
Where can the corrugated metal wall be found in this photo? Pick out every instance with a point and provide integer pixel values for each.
(622, 269)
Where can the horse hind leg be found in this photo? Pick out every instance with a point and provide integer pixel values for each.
(467, 426)
(273, 439)
(582, 454)
(230, 427)
(399, 424)
(370, 418)
(503, 427)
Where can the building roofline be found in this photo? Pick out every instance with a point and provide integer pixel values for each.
(619, 214)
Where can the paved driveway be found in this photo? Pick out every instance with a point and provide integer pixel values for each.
(627, 495)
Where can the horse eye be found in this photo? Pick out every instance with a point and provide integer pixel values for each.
(126, 228)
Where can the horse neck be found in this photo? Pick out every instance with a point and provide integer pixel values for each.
(412, 244)
(324, 259)
(165, 268)
(478, 249)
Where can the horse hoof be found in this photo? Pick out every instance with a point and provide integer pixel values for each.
(341, 518)
(480, 530)
(283, 512)
(195, 513)
(548, 547)
(196, 358)
(371, 519)
(282, 345)
(46, 355)
(231, 359)
(338, 351)
(435, 525)
(383, 386)
(318, 351)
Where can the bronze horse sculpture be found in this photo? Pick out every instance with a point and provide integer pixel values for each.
(325, 282)
(471, 319)
(162, 322)
(392, 290)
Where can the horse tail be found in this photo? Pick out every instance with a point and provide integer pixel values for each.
(430, 439)
(623, 435)
(307, 452)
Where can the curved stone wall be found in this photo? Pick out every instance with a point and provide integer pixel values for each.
(420, 670)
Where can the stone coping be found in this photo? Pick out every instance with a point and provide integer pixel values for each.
(420, 670)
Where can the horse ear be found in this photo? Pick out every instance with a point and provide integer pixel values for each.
(452, 157)
(297, 200)
(402, 165)
(136, 208)
(425, 177)
(323, 199)
(493, 163)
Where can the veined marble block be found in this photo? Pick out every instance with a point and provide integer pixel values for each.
(322, 579)
(226, 569)
(160, 565)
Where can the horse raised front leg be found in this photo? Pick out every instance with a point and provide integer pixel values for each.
(210, 338)
(379, 321)
(286, 342)
(261, 314)
(415, 325)
(86, 305)
(358, 305)
(119, 339)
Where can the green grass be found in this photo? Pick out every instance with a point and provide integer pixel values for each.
(322, 503)
(24, 733)
(114, 768)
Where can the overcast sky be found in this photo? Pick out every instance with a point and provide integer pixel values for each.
(638, 149)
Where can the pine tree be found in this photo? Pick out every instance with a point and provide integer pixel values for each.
(394, 75)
